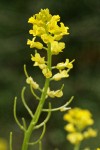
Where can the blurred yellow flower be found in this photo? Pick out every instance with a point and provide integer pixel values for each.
(80, 118)
(3, 144)
(75, 137)
(70, 127)
(78, 121)
(90, 133)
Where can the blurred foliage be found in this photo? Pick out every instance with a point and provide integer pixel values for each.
(83, 44)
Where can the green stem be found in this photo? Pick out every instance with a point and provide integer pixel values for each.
(37, 114)
(40, 145)
(77, 146)
(10, 140)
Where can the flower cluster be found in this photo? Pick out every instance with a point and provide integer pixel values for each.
(47, 31)
(45, 26)
(78, 121)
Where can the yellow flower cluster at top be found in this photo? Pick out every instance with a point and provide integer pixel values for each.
(78, 121)
(45, 26)
(47, 31)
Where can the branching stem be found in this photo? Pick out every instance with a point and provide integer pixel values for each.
(37, 114)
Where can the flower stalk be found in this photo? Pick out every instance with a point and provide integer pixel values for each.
(77, 146)
(44, 26)
(39, 108)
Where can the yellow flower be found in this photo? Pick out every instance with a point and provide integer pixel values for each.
(47, 73)
(90, 133)
(34, 44)
(45, 20)
(63, 29)
(57, 31)
(70, 127)
(41, 66)
(37, 58)
(78, 120)
(41, 18)
(98, 149)
(33, 20)
(63, 65)
(52, 24)
(47, 38)
(30, 81)
(78, 117)
(39, 61)
(46, 27)
(60, 75)
(53, 94)
(68, 64)
(37, 31)
(58, 93)
(57, 47)
(75, 138)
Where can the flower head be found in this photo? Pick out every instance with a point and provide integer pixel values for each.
(80, 118)
(46, 26)
(78, 121)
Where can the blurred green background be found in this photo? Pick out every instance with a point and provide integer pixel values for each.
(83, 44)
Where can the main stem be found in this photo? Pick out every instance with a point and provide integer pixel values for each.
(37, 114)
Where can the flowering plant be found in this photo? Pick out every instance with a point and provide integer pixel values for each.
(77, 126)
(46, 35)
